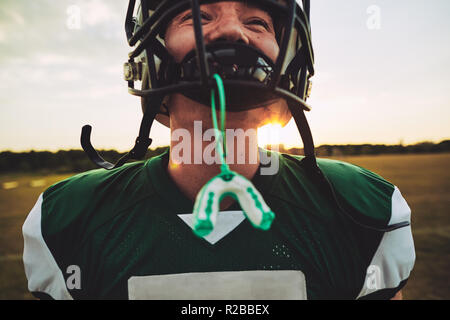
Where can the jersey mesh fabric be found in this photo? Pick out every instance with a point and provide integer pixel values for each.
(124, 222)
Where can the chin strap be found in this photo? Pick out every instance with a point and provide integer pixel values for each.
(138, 152)
(227, 183)
(305, 133)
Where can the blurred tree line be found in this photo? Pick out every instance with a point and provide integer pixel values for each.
(68, 161)
(63, 161)
(371, 149)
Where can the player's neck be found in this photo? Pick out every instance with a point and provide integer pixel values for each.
(193, 160)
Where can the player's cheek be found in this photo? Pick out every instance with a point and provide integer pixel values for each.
(179, 42)
(269, 46)
(272, 49)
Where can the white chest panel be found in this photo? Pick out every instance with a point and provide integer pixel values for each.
(234, 285)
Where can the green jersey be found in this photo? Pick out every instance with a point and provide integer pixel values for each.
(126, 233)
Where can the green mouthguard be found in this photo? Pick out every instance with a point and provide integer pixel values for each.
(227, 183)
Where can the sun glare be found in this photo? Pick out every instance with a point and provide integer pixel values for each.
(269, 134)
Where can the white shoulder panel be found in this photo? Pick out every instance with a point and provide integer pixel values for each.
(395, 256)
(42, 272)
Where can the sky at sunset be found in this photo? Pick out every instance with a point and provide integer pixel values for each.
(377, 81)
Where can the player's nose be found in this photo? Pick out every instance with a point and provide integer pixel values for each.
(228, 28)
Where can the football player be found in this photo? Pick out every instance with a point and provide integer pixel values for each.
(125, 231)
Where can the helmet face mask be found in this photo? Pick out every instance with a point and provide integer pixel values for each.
(236, 63)
(242, 67)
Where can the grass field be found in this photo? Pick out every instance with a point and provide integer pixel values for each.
(424, 181)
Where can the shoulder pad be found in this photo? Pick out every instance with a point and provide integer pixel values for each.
(91, 198)
(366, 196)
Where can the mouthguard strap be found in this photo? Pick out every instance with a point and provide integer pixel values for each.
(227, 183)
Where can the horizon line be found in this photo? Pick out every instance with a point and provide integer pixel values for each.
(287, 147)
